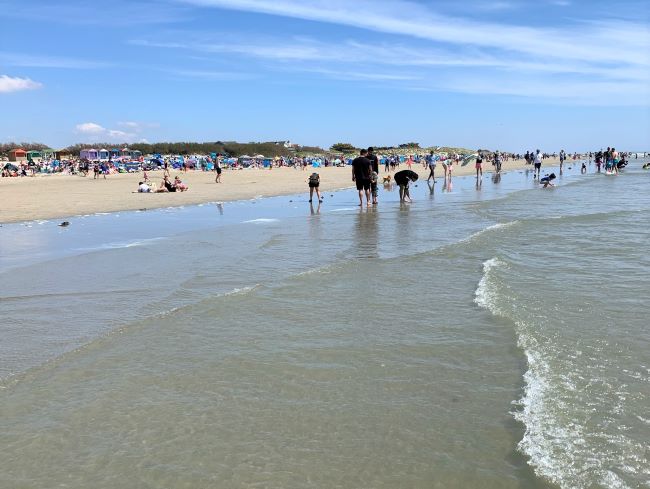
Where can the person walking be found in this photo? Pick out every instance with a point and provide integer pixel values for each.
(431, 162)
(479, 166)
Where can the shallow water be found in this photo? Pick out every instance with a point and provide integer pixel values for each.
(479, 337)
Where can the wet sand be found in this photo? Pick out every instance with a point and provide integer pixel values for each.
(57, 196)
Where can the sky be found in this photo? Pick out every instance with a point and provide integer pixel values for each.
(499, 74)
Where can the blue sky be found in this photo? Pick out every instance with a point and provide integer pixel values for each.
(507, 74)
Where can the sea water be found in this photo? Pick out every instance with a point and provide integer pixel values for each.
(491, 336)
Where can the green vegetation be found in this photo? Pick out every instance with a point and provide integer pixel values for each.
(343, 148)
(270, 149)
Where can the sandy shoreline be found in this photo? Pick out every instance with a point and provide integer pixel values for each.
(57, 196)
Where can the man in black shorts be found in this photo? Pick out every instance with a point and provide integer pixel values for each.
(361, 170)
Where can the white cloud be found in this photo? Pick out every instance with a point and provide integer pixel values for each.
(94, 132)
(90, 128)
(14, 84)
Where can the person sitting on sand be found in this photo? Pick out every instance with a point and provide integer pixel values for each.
(179, 185)
(167, 185)
(402, 178)
(144, 187)
(547, 181)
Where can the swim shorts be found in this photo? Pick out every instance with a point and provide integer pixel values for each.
(363, 184)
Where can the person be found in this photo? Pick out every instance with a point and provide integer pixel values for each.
(314, 184)
(445, 165)
(562, 158)
(179, 185)
(144, 187)
(361, 171)
(497, 161)
(479, 166)
(538, 163)
(145, 176)
(374, 166)
(374, 179)
(95, 171)
(431, 161)
(217, 167)
(402, 178)
(167, 185)
(584, 168)
(547, 181)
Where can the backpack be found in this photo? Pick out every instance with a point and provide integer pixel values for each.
(314, 178)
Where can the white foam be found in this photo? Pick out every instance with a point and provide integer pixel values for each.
(485, 295)
(121, 244)
(493, 227)
(260, 221)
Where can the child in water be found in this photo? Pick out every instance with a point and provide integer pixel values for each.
(547, 181)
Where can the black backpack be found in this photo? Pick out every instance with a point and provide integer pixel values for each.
(314, 178)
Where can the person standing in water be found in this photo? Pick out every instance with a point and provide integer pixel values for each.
(479, 166)
(314, 184)
(374, 175)
(431, 162)
(361, 172)
(538, 163)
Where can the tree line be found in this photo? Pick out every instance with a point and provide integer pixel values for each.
(230, 148)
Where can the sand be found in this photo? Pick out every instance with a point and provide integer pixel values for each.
(60, 196)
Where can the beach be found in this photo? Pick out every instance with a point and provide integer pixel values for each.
(58, 196)
(468, 339)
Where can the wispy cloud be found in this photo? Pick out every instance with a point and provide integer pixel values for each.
(506, 73)
(10, 84)
(40, 61)
(212, 75)
(124, 12)
(416, 20)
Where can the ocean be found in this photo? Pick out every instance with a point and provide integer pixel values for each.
(488, 336)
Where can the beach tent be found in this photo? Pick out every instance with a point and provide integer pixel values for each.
(17, 155)
(10, 167)
(103, 154)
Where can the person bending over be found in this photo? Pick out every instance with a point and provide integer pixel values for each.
(547, 181)
(403, 178)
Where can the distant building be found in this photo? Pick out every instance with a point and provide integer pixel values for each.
(89, 154)
(18, 155)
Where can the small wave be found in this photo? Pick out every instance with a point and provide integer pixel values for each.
(120, 244)
(260, 221)
(485, 294)
(494, 227)
(344, 209)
